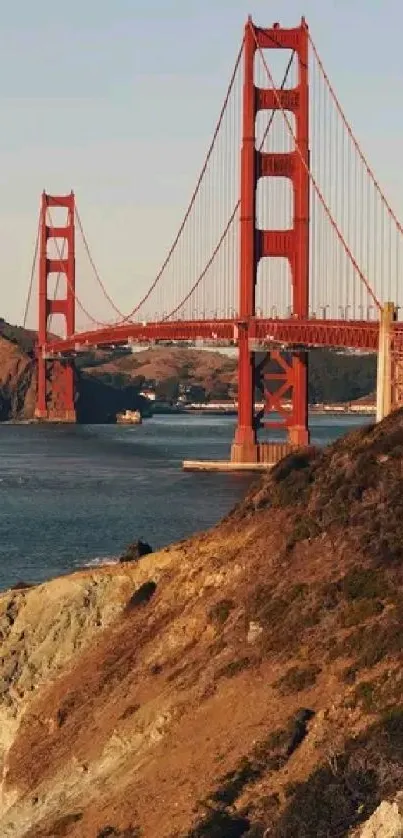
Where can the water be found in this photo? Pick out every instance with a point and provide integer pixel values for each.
(70, 495)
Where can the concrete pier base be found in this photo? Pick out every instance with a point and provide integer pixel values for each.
(384, 370)
(224, 466)
(265, 455)
(56, 417)
(263, 452)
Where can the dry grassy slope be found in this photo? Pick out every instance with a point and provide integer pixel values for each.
(204, 368)
(178, 712)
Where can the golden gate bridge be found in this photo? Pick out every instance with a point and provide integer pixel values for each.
(288, 243)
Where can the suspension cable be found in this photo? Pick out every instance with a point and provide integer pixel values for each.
(128, 317)
(236, 207)
(93, 265)
(207, 266)
(73, 291)
(32, 275)
(311, 177)
(57, 283)
(355, 142)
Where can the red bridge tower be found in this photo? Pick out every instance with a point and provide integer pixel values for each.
(55, 401)
(291, 379)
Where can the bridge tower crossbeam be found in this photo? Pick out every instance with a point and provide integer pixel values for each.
(291, 376)
(55, 401)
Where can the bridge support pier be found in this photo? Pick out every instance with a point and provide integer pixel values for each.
(244, 448)
(388, 369)
(55, 392)
(55, 399)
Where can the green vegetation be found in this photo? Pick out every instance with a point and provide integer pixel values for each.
(304, 528)
(283, 618)
(345, 792)
(360, 592)
(267, 756)
(359, 611)
(292, 478)
(229, 670)
(335, 377)
(383, 693)
(364, 583)
(338, 795)
(370, 644)
(297, 679)
(220, 611)
(338, 378)
(115, 379)
(100, 400)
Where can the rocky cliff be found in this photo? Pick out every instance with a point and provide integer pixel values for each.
(17, 382)
(246, 682)
(98, 400)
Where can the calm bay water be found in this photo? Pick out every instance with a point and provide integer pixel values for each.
(71, 495)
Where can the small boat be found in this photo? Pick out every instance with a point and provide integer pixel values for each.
(129, 417)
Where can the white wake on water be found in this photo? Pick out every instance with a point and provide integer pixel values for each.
(97, 561)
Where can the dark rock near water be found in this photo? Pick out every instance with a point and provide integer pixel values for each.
(135, 551)
(21, 586)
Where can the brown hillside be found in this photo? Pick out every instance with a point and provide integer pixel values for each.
(17, 385)
(160, 363)
(248, 679)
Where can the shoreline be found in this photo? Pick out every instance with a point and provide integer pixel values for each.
(331, 410)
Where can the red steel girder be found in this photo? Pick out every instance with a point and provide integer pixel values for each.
(352, 334)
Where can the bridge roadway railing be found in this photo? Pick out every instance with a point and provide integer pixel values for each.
(292, 332)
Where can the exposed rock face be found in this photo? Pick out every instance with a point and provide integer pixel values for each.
(98, 401)
(17, 382)
(245, 682)
(135, 551)
(386, 822)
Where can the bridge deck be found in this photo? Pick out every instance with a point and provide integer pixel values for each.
(354, 334)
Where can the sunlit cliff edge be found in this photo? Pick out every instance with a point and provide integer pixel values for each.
(246, 682)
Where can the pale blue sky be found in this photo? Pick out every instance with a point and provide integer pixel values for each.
(118, 98)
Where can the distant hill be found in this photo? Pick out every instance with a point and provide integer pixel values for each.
(333, 377)
(23, 338)
(213, 372)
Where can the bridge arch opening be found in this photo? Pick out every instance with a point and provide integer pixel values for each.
(57, 216)
(57, 286)
(57, 325)
(56, 247)
(282, 64)
(273, 287)
(274, 204)
(272, 133)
